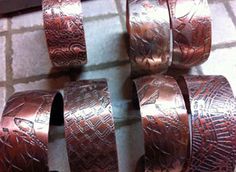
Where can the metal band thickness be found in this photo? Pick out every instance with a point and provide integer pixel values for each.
(191, 26)
(64, 31)
(24, 131)
(165, 123)
(213, 110)
(89, 127)
(148, 27)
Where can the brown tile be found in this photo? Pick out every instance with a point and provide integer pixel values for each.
(223, 27)
(3, 24)
(2, 59)
(2, 100)
(105, 41)
(30, 54)
(44, 84)
(222, 62)
(27, 20)
(98, 7)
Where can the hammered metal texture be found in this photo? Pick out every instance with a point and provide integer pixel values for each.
(165, 124)
(149, 33)
(89, 127)
(191, 25)
(24, 132)
(64, 31)
(213, 120)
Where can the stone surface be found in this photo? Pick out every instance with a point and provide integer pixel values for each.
(222, 62)
(130, 145)
(27, 20)
(2, 100)
(2, 59)
(98, 7)
(105, 41)
(223, 28)
(3, 24)
(118, 81)
(44, 84)
(30, 54)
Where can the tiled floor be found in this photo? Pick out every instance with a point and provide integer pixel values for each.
(24, 65)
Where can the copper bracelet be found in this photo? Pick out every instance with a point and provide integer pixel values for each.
(191, 26)
(213, 109)
(64, 31)
(24, 130)
(165, 123)
(89, 127)
(148, 27)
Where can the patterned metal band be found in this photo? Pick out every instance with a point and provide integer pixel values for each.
(64, 32)
(89, 127)
(24, 131)
(191, 25)
(165, 124)
(213, 110)
(149, 31)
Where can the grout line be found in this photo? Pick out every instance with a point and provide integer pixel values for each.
(27, 29)
(217, 1)
(120, 12)
(67, 73)
(126, 122)
(40, 77)
(223, 46)
(99, 17)
(8, 51)
(230, 12)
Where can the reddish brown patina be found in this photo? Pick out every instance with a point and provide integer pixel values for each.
(191, 24)
(24, 131)
(213, 119)
(165, 124)
(64, 31)
(149, 34)
(89, 127)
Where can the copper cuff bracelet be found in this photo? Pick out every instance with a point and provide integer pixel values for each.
(213, 111)
(24, 130)
(191, 26)
(64, 31)
(165, 123)
(89, 127)
(149, 33)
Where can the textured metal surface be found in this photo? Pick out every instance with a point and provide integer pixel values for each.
(213, 120)
(149, 31)
(89, 127)
(191, 25)
(165, 123)
(24, 132)
(64, 30)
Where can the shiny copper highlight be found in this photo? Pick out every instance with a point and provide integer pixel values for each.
(24, 131)
(149, 35)
(89, 127)
(165, 123)
(213, 109)
(64, 31)
(191, 25)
